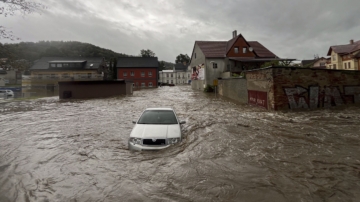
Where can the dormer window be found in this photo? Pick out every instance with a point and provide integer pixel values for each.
(236, 49)
(244, 49)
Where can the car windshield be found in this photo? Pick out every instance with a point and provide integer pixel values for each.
(158, 117)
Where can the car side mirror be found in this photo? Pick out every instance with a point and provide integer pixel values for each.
(133, 121)
(182, 122)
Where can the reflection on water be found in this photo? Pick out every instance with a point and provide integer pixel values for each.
(53, 150)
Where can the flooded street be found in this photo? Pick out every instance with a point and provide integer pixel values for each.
(52, 150)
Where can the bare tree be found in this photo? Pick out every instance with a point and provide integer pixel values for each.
(11, 7)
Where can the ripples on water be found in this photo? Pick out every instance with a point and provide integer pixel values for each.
(55, 150)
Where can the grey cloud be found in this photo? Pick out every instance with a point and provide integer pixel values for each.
(289, 28)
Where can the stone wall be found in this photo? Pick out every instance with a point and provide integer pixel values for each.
(235, 89)
(305, 88)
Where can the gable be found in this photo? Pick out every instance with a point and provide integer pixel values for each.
(242, 47)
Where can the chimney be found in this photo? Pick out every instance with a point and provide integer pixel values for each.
(234, 33)
(352, 41)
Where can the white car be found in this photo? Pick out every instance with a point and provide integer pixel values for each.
(6, 93)
(157, 128)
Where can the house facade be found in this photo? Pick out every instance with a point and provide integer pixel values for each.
(142, 71)
(179, 75)
(320, 63)
(222, 59)
(345, 57)
(48, 71)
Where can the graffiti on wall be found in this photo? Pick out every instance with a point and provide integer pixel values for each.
(314, 97)
(198, 72)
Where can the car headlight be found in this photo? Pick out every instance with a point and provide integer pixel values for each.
(135, 140)
(173, 140)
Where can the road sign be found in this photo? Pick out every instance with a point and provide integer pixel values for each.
(215, 82)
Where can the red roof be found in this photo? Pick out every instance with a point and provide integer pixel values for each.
(213, 49)
(260, 50)
(345, 49)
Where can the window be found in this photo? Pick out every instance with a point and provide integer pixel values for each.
(334, 57)
(345, 65)
(150, 84)
(71, 65)
(65, 65)
(142, 74)
(167, 75)
(349, 65)
(133, 85)
(188, 75)
(89, 75)
(334, 66)
(39, 76)
(125, 74)
(214, 65)
(171, 75)
(52, 65)
(150, 74)
(322, 64)
(142, 84)
(171, 81)
(236, 49)
(58, 65)
(167, 81)
(132, 74)
(244, 49)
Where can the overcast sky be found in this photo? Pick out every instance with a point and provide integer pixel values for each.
(289, 28)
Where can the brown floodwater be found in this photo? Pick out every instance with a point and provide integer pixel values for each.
(52, 150)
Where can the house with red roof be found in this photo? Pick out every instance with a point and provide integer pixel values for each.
(220, 59)
(345, 57)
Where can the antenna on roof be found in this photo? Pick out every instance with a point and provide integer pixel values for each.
(251, 49)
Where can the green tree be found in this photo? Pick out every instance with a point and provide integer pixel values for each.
(114, 69)
(161, 65)
(147, 53)
(182, 58)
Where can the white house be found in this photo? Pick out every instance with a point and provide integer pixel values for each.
(179, 75)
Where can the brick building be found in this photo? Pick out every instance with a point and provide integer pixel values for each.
(142, 71)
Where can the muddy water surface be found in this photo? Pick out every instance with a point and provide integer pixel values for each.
(53, 150)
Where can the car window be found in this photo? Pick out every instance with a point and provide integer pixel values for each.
(158, 117)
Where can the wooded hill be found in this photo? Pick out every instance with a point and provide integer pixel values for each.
(31, 51)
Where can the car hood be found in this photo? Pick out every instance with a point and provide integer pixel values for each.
(147, 131)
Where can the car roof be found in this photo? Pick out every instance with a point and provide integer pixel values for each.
(160, 108)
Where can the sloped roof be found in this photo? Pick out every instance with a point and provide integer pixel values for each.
(344, 49)
(220, 48)
(307, 62)
(212, 49)
(261, 50)
(129, 62)
(90, 62)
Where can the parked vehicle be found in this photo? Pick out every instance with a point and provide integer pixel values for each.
(6, 93)
(157, 128)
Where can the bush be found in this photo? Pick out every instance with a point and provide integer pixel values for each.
(209, 88)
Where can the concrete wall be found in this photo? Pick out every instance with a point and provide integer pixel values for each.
(197, 85)
(93, 89)
(235, 89)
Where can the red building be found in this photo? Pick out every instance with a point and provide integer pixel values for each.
(141, 70)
